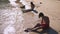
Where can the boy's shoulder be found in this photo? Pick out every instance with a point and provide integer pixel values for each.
(45, 17)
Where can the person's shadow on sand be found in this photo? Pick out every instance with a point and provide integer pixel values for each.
(48, 31)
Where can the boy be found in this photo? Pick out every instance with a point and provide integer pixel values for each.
(43, 25)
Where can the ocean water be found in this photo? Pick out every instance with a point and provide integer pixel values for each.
(10, 18)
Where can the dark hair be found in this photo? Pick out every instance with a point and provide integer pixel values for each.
(41, 14)
(31, 2)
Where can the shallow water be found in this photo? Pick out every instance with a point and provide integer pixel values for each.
(10, 18)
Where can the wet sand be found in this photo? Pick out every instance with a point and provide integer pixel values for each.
(50, 8)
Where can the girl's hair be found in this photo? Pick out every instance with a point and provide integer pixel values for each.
(41, 14)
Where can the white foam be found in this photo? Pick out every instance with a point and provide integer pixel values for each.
(27, 5)
(12, 2)
(9, 30)
(11, 20)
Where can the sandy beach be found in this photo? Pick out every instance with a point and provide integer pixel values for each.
(50, 8)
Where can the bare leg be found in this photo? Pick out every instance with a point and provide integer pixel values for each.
(37, 25)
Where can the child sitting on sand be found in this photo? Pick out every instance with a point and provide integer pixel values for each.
(43, 25)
